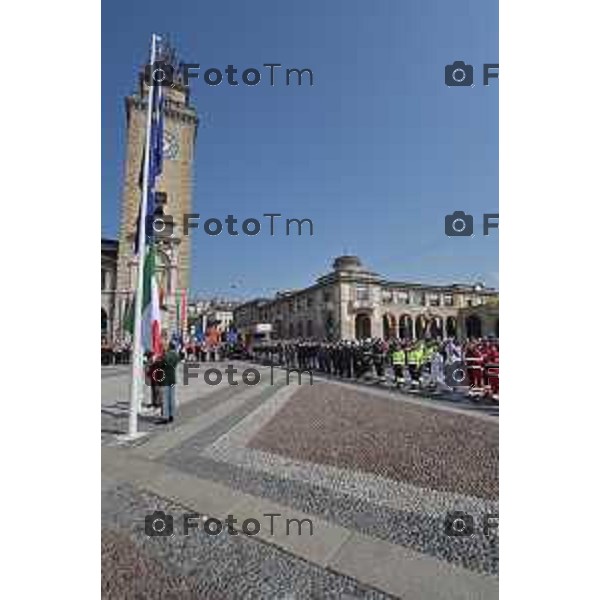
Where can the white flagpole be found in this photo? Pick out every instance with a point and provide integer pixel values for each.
(137, 371)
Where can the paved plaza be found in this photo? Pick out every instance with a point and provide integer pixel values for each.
(350, 486)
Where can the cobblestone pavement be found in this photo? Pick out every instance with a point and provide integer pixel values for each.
(370, 465)
(352, 429)
(202, 566)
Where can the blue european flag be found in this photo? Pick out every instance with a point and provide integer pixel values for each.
(155, 159)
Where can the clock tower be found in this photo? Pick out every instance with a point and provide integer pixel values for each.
(173, 198)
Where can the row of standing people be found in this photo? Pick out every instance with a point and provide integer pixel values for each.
(116, 353)
(201, 352)
(446, 364)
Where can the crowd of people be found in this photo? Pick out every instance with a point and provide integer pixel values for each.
(116, 353)
(120, 353)
(201, 351)
(424, 364)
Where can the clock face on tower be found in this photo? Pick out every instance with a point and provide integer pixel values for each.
(170, 145)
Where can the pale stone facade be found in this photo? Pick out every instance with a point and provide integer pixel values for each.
(352, 302)
(174, 199)
(110, 252)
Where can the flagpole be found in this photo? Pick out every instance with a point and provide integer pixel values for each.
(137, 371)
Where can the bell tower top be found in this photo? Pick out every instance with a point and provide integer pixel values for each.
(168, 70)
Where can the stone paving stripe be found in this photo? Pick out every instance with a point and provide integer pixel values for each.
(408, 574)
(161, 444)
(245, 430)
(325, 541)
(205, 496)
(374, 489)
(422, 532)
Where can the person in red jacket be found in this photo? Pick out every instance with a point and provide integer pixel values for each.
(474, 360)
(492, 369)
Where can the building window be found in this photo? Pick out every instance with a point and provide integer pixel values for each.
(419, 298)
(448, 300)
(103, 279)
(473, 301)
(434, 300)
(309, 301)
(329, 325)
(402, 297)
(362, 293)
(326, 296)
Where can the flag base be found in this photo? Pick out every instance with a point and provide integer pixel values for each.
(128, 438)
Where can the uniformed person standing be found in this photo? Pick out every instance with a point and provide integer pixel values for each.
(413, 360)
(398, 362)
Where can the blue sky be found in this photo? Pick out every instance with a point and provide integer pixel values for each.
(375, 153)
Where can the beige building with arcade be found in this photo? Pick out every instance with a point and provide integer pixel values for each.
(352, 302)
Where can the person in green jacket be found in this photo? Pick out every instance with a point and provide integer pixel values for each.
(171, 360)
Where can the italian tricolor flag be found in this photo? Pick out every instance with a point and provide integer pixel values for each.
(151, 340)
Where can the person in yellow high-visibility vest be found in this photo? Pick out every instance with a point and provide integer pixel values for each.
(414, 358)
(398, 362)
